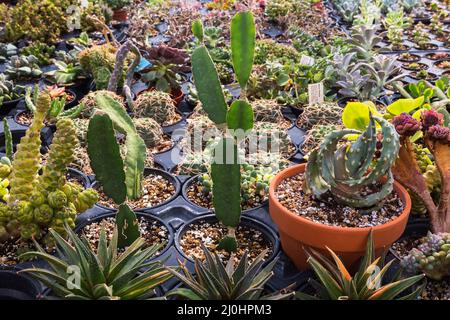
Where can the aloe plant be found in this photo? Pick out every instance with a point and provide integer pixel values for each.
(226, 174)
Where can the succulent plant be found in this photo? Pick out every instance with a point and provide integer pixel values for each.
(275, 9)
(336, 282)
(41, 51)
(267, 110)
(347, 176)
(149, 130)
(421, 38)
(106, 273)
(38, 202)
(90, 103)
(436, 137)
(9, 91)
(42, 20)
(320, 114)
(120, 178)
(431, 257)
(270, 50)
(364, 38)
(217, 281)
(269, 137)
(99, 61)
(155, 104)
(315, 136)
(7, 50)
(23, 67)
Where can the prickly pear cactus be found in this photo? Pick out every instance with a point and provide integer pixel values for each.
(155, 104)
(431, 257)
(149, 130)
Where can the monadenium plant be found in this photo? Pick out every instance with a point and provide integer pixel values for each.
(436, 136)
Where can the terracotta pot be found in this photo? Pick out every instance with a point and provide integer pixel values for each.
(298, 233)
(120, 15)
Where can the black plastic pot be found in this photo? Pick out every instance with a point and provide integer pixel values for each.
(7, 106)
(17, 135)
(268, 233)
(148, 171)
(78, 229)
(14, 286)
(412, 230)
(80, 177)
(193, 179)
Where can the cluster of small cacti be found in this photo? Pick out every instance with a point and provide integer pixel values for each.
(149, 130)
(255, 182)
(23, 67)
(268, 110)
(431, 257)
(9, 91)
(275, 9)
(316, 135)
(81, 126)
(349, 176)
(7, 50)
(270, 138)
(42, 20)
(99, 61)
(155, 104)
(38, 202)
(270, 50)
(225, 73)
(40, 50)
(322, 113)
(421, 38)
(90, 102)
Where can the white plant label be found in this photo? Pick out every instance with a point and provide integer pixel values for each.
(315, 93)
(307, 61)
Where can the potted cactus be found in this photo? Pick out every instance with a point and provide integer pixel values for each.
(319, 204)
(10, 93)
(34, 203)
(234, 122)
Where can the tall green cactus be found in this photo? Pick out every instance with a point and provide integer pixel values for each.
(225, 172)
(27, 158)
(119, 178)
(344, 170)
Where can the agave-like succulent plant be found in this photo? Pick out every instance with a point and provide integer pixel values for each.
(336, 282)
(216, 281)
(343, 170)
(104, 273)
(364, 38)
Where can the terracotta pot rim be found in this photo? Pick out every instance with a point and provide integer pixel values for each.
(293, 170)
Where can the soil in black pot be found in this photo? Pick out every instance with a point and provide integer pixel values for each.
(249, 239)
(174, 119)
(443, 64)
(408, 57)
(196, 195)
(292, 197)
(11, 249)
(436, 290)
(156, 190)
(151, 230)
(165, 144)
(415, 66)
(437, 55)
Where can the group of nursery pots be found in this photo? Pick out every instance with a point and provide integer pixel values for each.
(298, 233)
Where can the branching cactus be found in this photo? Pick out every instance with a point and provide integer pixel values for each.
(120, 178)
(436, 134)
(346, 170)
(36, 203)
(226, 171)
